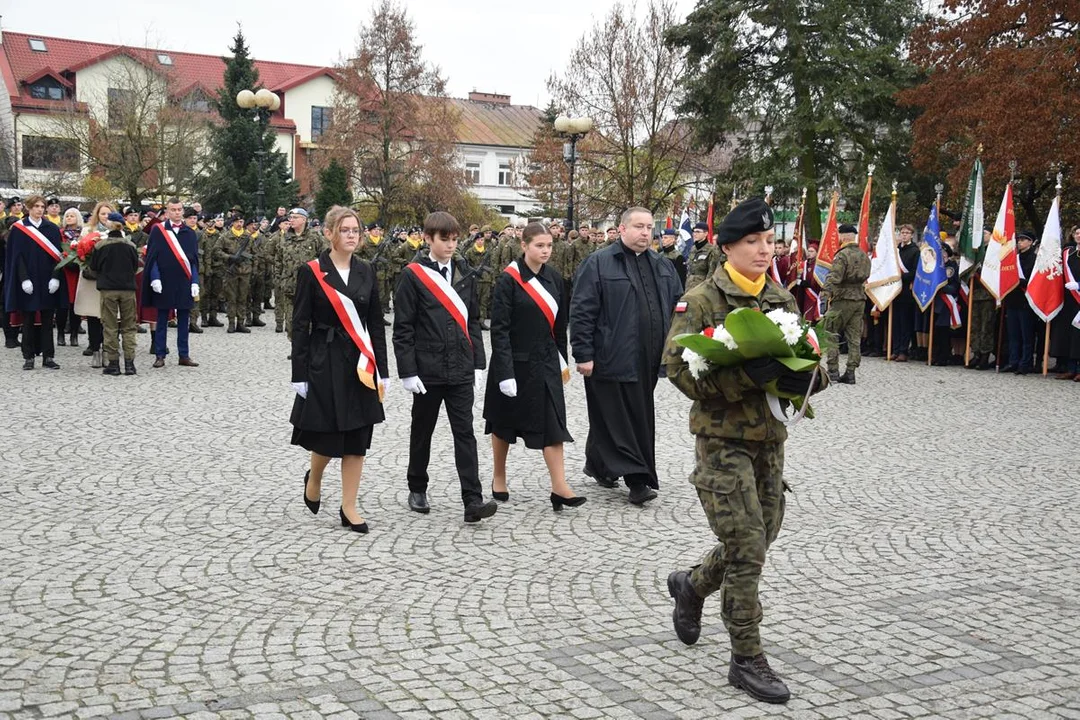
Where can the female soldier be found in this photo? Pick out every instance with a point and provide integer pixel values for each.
(524, 395)
(338, 363)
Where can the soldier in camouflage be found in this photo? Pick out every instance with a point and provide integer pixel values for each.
(377, 250)
(300, 245)
(261, 263)
(211, 272)
(404, 254)
(704, 258)
(843, 291)
(479, 258)
(984, 314)
(739, 455)
(191, 219)
(235, 256)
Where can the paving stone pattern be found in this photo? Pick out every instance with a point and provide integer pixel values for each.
(156, 559)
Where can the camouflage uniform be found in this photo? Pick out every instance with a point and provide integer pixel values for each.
(983, 321)
(843, 290)
(562, 258)
(509, 249)
(479, 255)
(273, 243)
(581, 248)
(210, 272)
(739, 459)
(378, 254)
(293, 251)
(702, 263)
(237, 274)
(403, 255)
(262, 262)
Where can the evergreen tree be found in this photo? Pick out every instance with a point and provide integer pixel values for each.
(333, 188)
(233, 178)
(803, 90)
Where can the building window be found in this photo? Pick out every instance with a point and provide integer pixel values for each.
(506, 175)
(196, 101)
(472, 172)
(46, 153)
(320, 121)
(164, 59)
(38, 45)
(46, 91)
(120, 104)
(506, 209)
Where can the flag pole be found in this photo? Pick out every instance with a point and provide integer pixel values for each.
(1046, 351)
(971, 305)
(1001, 336)
(930, 343)
(888, 332)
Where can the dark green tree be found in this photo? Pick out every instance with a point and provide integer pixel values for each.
(236, 140)
(802, 92)
(333, 188)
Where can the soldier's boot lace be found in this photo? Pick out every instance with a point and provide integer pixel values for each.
(756, 677)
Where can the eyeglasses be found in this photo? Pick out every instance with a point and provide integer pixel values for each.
(349, 231)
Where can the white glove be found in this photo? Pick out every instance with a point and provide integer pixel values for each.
(478, 384)
(54, 285)
(28, 287)
(414, 385)
(155, 285)
(301, 389)
(1072, 286)
(194, 290)
(508, 387)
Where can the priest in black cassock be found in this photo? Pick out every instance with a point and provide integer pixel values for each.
(624, 296)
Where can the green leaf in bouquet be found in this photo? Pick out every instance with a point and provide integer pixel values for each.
(756, 335)
(67, 260)
(798, 364)
(712, 350)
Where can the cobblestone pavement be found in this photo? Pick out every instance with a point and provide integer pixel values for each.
(157, 559)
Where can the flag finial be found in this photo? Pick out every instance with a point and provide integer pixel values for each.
(870, 169)
(804, 193)
(1012, 171)
(894, 188)
(979, 150)
(1058, 186)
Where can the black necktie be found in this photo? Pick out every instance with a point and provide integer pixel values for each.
(445, 273)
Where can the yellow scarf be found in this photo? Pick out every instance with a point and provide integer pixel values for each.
(752, 288)
(131, 228)
(375, 239)
(236, 233)
(254, 234)
(55, 220)
(413, 243)
(479, 245)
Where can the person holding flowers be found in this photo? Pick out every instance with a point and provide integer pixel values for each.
(739, 455)
(67, 320)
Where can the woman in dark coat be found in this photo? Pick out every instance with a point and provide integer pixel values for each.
(524, 395)
(339, 386)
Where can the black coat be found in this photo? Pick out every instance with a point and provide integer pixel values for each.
(909, 258)
(428, 343)
(604, 311)
(942, 317)
(325, 357)
(162, 265)
(523, 348)
(26, 260)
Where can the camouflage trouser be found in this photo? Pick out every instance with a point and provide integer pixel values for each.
(118, 319)
(284, 303)
(237, 291)
(741, 488)
(484, 291)
(983, 323)
(258, 290)
(382, 279)
(279, 310)
(217, 294)
(845, 317)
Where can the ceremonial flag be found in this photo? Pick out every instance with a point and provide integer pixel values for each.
(930, 273)
(795, 268)
(970, 238)
(884, 284)
(1000, 273)
(864, 216)
(710, 220)
(686, 235)
(1046, 288)
(830, 243)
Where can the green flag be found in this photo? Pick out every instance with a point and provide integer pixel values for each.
(970, 238)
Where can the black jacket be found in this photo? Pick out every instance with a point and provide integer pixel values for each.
(428, 342)
(1017, 299)
(909, 258)
(604, 311)
(115, 262)
(325, 357)
(523, 348)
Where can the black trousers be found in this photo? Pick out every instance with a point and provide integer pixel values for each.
(903, 324)
(38, 338)
(425, 415)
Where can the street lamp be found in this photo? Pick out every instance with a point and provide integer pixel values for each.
(263, 102)
(574, 129)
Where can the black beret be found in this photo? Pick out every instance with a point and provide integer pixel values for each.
(190, 212)
(750, 216)
(128, 210)
(848, 229)
(1026, 233)
(374, 225)
(702, 226)
(53, 201)
(236, 219)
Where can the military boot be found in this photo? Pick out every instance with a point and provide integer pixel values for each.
(686, 616)
(129, 367)
(193, 327)
(754, 675)
(214, 322)
(848, 378)
(242, 328)
(232, 326)
(834, 375)
(113, 368)
(278, 327)
(257, 321)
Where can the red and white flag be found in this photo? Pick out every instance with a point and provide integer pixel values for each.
(883, 284)
(1000, 273)
(1046, 288)
(864, 216)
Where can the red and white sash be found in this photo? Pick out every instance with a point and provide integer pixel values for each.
(445, 293)
(954, 310)
(174, 245)
(43, 242)
(774, 271)
(547, 303)
(366, 368)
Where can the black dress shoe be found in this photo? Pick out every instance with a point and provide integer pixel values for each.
(159, 363)
(607, 482)
(688, 604)
(1008, 369)
(28, 364)
(500, 496)
(361, 528)
(312, 505)
(479, 510)
(61, 340)
(558, 501)
(754, 675)
(641, 495)
(88, 352)
(418, 503)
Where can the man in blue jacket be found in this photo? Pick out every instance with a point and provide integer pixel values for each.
(624, 296)
(171, 280)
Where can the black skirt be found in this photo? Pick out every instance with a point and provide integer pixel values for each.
(554, 433)
(335, 444)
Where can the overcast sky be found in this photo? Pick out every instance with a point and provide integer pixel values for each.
(486, 45)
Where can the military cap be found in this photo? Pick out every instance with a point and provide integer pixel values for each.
(14, 199)
(486, 228)
(190, 212)
(52, 201)
(235, 219)
(1026, 233)
(701, 226)
(299, 211)
(669, 231)
(847, 229)
(750, 216)
(129, 210)
(374, 226)
(251, 221)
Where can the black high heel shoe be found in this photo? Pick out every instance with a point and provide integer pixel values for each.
(557, 501)
(500, 496)
(361, 528)
(312, 505)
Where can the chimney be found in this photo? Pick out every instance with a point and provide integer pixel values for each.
(493, 98)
